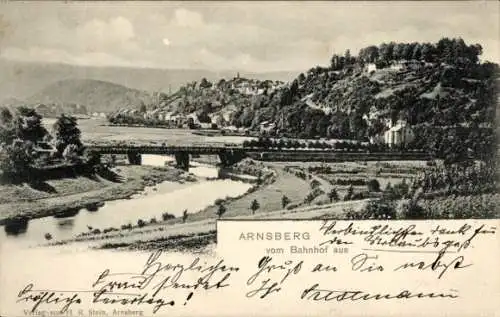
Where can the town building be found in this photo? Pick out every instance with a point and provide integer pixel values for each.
(398, 134)
(267, 127)
(371, 67)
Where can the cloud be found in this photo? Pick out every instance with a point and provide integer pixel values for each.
(245, 36)
(115, 31)
(187, 18)
(39, 54)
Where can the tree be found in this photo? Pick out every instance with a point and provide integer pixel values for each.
(348, 58)
(254, 206)
(335, 62)
(379, 209)
(373, 185)
(184, 215)
(259, 178)
(411, 210)
(66, 133)
(294, 88)
(417, 51)
(15, 160)
(162, 98)
(5, 116)
(221, 84)
(349, 194)
(398, 51)
(386, 51)
(204, 83)
(71, 153)
(402, 189)
(28, 125)
(221, 210)
(7, 128)
(333, 195)
(368, 54)
(427, 52)
(284, 201)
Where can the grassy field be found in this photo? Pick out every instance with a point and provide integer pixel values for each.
(268, 196)
(95, 130)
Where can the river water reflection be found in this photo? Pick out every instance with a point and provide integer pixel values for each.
(153, 202)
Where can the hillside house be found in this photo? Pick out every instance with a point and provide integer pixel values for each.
(371, 67)
(266, 126)
(377, 139)
(398, 134)
(231, 128)
(45, 148)
(407, 64)
(397, 66)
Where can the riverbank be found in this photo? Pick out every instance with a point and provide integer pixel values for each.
(198, 228)
(56, 196)
(150, 228)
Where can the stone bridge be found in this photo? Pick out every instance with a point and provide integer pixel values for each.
(231, 154)
(228, 155)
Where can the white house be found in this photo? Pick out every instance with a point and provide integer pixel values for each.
(371, 67)
(398, 134)
(397, 66)
(231, 128)
(267, 126)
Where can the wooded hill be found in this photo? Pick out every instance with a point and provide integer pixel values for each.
(441, 89)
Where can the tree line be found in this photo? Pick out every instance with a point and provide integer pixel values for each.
(451, 51)
(23, 136)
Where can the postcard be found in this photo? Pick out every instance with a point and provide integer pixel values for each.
(249, 158)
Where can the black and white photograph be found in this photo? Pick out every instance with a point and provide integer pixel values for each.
(131, 131)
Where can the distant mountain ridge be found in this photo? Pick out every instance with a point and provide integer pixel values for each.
(95, 95)
(21, 80)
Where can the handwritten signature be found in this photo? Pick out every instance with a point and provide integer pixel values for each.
(143, 288)
(404, 237)
(159, 284)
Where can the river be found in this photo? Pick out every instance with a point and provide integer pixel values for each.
(153, 202)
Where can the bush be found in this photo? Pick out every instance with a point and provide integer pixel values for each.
(70, 153)
(315, 183)
(360, 195)
(127, 226)
(292, 206)
(15, 160)
(378, 209)
(411, 210)
(401, 190)
(350, 181)
(284, 201)
(349, 194)
(254, 206)
(141, 223)
(221, 210)
(167, 216)
(373, 185)
(312, 195)
(333, 195)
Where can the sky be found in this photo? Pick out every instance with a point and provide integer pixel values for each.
(249, 36)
